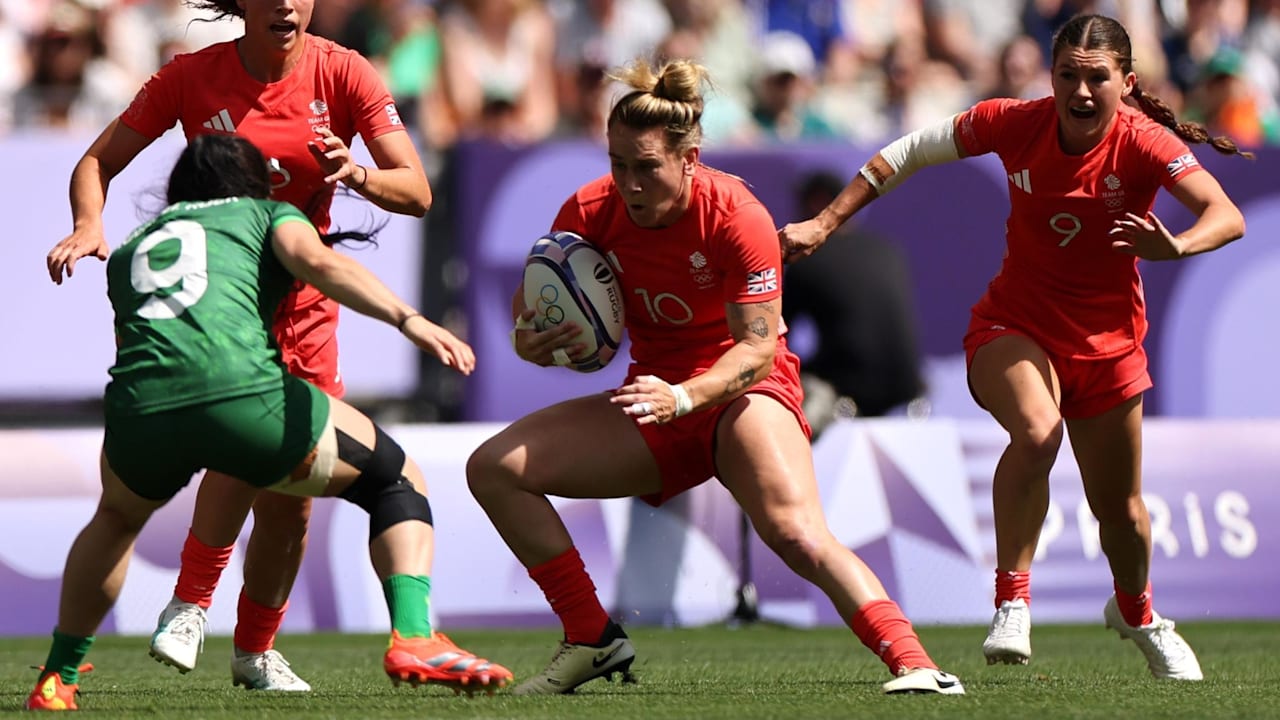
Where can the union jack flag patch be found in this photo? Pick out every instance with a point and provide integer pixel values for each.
(1181, 164)
(762, 282)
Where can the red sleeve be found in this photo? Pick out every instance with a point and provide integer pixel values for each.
(373, 111)
(158, 105)
(1167, 155)
(982, 125)
(746, 246)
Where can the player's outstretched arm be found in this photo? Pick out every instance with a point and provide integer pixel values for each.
(885, 170)
(353, 285)
(114, 149)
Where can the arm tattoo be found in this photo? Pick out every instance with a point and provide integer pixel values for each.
(743, 380)
(758, 325)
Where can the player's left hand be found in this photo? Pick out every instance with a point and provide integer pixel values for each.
(447, 347)
(334, 157)
(650, 399)
(1146, 238)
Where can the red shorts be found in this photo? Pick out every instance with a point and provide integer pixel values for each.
(306, 327)
(685, 447)
(1090, 386)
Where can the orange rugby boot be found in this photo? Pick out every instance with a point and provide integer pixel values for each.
(437, 660)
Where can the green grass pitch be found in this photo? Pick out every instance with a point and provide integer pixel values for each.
(706, 673)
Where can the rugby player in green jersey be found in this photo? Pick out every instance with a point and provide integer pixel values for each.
(198, 383)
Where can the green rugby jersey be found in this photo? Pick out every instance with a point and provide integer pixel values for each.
(194, 292)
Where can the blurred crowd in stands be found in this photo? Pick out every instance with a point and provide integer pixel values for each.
(523, 71)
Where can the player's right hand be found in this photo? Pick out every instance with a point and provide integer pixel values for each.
(800, 240)
(78, 244)
(552, 346)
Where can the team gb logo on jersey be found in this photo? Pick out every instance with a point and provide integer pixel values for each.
(702, 275)
(1113, 196)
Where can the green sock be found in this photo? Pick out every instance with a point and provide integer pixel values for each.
(66, 654)
(409, 601)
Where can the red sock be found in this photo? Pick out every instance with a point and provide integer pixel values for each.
(257, 625)
(572, 595)
(202, 565)
(1135, 609)
(1012, 585)
(882, 627)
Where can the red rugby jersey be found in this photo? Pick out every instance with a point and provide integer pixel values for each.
(209, 91)
(677, 279)
(1061, 280)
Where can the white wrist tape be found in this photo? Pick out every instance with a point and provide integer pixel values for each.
(927, 146)
(684, 403)
(521, 324)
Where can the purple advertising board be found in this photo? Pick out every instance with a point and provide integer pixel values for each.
(911, 497)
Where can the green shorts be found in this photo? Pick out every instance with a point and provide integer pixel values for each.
(257, 438)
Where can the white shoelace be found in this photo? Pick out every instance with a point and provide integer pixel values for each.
(1169, 644)
(1010, 622)
(274, 668)
(189, 624)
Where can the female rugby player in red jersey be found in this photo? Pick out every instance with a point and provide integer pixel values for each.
(1084, 167)
(300, 99)
(713, 391)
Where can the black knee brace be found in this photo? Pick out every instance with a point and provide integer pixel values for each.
(381, 489)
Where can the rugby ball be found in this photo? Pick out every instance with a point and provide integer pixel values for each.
(567, 280)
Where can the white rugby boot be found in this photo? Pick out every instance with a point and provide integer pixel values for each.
(924, 681)
(1009, 638)
(266, 671)
(1168, 656)
(179, 636)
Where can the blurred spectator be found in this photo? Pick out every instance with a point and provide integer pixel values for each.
(496, 74)
(820, 24)
(14, 68)
(720, 29)
(600, 35)
(72, 85)
(968, 34)
(917, 90)
(1228, 104)
(726, 119)
(1262, 41)
(859, 299)
(401, 39)
(142, 35)
(872, 26)
(784, 83)
(1021, 72)
(584, 107)
(1200, 28)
